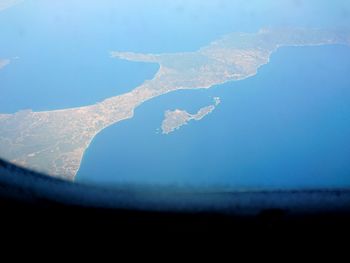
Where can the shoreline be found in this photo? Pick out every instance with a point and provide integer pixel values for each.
(216, 85)
(66, 134)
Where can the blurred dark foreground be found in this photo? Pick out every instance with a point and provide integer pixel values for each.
(32, 203)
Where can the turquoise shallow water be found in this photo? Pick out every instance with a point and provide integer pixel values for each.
(286, 127)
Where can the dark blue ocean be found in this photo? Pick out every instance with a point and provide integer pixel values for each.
(286, 127)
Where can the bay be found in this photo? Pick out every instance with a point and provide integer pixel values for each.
(288, 127)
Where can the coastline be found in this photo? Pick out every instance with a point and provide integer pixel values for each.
(197, 88)
(88, 121)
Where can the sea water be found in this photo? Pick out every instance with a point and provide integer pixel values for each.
(288, 127)
(60, 50)
(285, 127)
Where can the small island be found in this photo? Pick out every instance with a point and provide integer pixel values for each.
(175, 119)
(54, 142)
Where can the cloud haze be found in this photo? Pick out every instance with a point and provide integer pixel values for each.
(4, 4)
(4, 63)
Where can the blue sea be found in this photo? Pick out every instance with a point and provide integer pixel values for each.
(286, 127)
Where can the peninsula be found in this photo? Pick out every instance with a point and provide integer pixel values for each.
(54, 142)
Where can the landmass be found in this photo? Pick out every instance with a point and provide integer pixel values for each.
(54, 142)
(175, 119)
